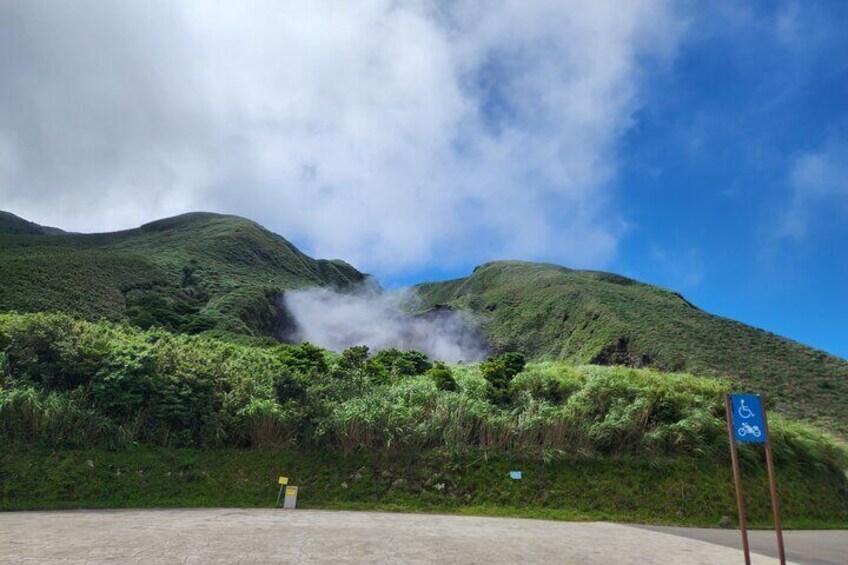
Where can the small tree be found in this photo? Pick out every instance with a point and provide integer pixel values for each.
(499, 372)
(303, 358)
(353, 365)
(443, 377)
(402, 363)
(514, 362)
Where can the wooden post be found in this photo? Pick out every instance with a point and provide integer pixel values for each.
(775, 505)
(737, 479)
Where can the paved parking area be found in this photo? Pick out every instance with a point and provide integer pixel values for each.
(808, 547)
(213, 536)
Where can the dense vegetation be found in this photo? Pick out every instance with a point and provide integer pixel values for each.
(146, 355)
(551, 312)
(12, 224)
(679, 490)
(68, 383)
(83, 405)
(222, 275)
(192, 273)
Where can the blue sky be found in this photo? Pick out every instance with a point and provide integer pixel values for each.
(709, 176)
(699, 147)
(706, 180)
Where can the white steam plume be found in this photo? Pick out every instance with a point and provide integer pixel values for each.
(336, 320)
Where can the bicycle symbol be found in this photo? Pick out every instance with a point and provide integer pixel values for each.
(747, 428)
(744, 411)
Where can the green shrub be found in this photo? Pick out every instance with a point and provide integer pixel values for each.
(303, 358)
(499, 372)
(69, 383)
(398, 364)
(53, 352)
(442, 377)
(549, 381)
(55, 419)
(514, 362)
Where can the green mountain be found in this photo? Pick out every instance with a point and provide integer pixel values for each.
(12, 224)
(208, 272)
(189, 273)
(551, 312)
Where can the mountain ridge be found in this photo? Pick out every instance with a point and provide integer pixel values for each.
(12, 224)
(551, 312)
(193, 272)
(201, 272)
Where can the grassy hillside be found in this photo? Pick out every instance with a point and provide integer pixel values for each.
(681, 490)
(12, 224)
(100, 414)
(189, 273)
(72, 384)
(207, 272)
(550, 312)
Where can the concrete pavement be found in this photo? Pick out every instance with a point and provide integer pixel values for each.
(214, 536)
(808, 547)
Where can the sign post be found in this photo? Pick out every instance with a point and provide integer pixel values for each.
(737, 480)
(747, 423)
(775, 505)
(282, 481)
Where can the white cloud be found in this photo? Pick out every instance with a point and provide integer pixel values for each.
(340, 320)
(817, 179)
(384, 132)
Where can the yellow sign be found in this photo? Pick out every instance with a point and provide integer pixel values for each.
(291, 491)
(283, 480)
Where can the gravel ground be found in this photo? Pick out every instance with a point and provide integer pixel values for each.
(212, 536)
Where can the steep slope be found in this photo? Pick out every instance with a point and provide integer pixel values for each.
(12, 224)
(551, 312)
(190, 273)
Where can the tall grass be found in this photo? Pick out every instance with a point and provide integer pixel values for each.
(56, 420)
(593, 411)
(75, 384)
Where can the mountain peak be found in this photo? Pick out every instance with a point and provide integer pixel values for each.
(15, 225)
(191, 219)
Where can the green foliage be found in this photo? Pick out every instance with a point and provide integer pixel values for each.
(56, 353)
(192, 273)
(13, 225)
(513, 362)
(548, 381)
(73, 383)
(174, 310)
(398, 364)
(499, 372)
(222, 276)
(304, 358)
(443, 377)
(682, 490)
(354, 358)
(51, 419)
(354, 368)
(553, 313)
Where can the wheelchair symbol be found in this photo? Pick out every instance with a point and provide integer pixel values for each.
(744, 411)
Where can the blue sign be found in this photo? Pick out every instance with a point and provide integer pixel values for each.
(515, 475)
(748, 422)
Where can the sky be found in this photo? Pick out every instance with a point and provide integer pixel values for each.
(701, 148)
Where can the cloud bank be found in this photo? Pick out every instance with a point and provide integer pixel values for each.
(336, 321)
(380, 131)
(818, 181)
